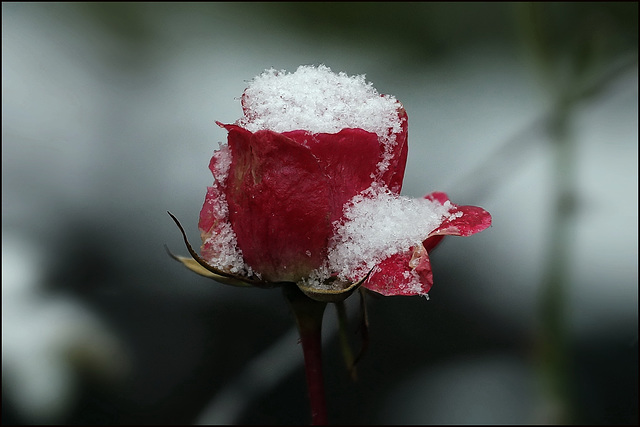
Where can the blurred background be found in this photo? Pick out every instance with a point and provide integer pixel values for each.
(108, 121)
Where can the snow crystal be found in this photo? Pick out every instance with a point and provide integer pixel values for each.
(319, 101)
(222, 164)
(378, 224)
(223, 242)
(228, 256)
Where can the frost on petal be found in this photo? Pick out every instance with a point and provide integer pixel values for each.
(377, 225)
(407, 273)
(463, 220)
(219, 164)
(394, 161)
(390, 236)
(215, 208)
(219, 246)
(278, 204)
(213, 212)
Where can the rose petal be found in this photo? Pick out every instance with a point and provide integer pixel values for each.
(210, 216)
(278, 204)
(473, 219)
(407, 273)
(348, 160)
(395, 174)
(214, 210)
(432, 242)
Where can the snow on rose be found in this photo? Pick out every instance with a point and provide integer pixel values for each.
(307, 191)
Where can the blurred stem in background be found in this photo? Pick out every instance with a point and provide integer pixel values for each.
(552, 337)
(551, 343)
(575, 62)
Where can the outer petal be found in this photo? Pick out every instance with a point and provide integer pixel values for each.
(211, 218)
(407, 273)
(215, 230)
(395, 173)
(348, 160)
(473, 220)
(214, 209)
(277, 196)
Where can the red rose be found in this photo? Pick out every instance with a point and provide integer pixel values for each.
(306, 177)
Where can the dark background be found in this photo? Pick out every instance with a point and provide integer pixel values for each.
(108, 121)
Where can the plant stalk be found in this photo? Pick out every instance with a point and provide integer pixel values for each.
(308, 314)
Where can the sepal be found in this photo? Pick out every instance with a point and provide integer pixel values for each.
(201, 267)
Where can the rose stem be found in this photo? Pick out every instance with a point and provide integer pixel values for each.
(308, 314)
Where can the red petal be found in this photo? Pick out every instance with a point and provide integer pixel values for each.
(210, 214)
(438, 196)
(347, 158)
(212, 221)
(408, 273)
(278, 204)
(212, 210)
(214, 213)
(432, 242)
(395, 174)
(473, 219)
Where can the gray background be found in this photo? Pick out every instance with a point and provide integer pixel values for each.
(108, 121)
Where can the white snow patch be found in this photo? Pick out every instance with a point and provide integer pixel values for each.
(223, 162)
(378, 224)
(319, 101)
(229, 256)
(223, 242)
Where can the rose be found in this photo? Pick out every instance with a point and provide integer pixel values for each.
(285, 190)
(306, 177)
(306, 196)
